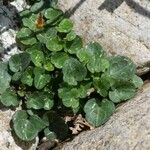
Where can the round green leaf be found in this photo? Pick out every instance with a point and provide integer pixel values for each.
(19, 62)
(137, 81)
(69, 96)
(39, 100)
(27, 77)
(25, 130)
(16, 76)
(52, 14)
(38, 123)
(41, 80)
(97, 113)
(37, 57)
(92, 52)
(74, 46)
(37, 6)
(18, 115)
(5, 78)
(24, 33)
(72, 102)
(58, 59)
(54, 44)
(25, 13)
(49, 134)
(35, 101)
(98, 64)
(122, 93)
(83, 55)
(84, 88)
(25, 36)
(71, 36)
(48, 65)
(102, 85)
(65, 26)
(121, 68)
(9, 98)
(73, 71)
(29, 41)
(44, 36)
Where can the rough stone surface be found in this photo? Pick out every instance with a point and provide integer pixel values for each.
(127, 129)
(121, 26)
(8, 26)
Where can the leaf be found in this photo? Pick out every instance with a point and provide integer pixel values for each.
(36, 7)
(94, 49)
(41, 79)
(48, 65)
(37, 57)
(5, 78)
(35, 101)
(98, 64)
(39, 100)
(121, 68)
(122, 93)
(73, 71)
(44, 36)
(9, 98)
(71, 36)
(39, 124)
(94, 56)
(24, 33)
(26, 128)
(84, 89)
(19, 62)
(25, 36)
(102, 84)
(27, 76)
(58, 59)
(83, 55)
(70, 97)
(74, 46)
(20, 114)
(49, 134)
(29, 41)
(16, 76)
(56, 124)
(65, 26)
(54, 44)
(137, 81)
(25, 13)
(52, 14)
(30, 23)
(97, 113)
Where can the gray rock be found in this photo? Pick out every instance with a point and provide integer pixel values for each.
(121, 26)
(127, 129)
(8, 26)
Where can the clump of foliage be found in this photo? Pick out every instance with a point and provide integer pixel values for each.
(55, 75)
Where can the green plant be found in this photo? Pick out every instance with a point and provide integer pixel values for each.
(55, 76)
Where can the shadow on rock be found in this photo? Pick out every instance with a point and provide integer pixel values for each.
(112, 5)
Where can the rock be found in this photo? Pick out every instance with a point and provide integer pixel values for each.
(121, 26)
(127, 129)
(8, 26)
